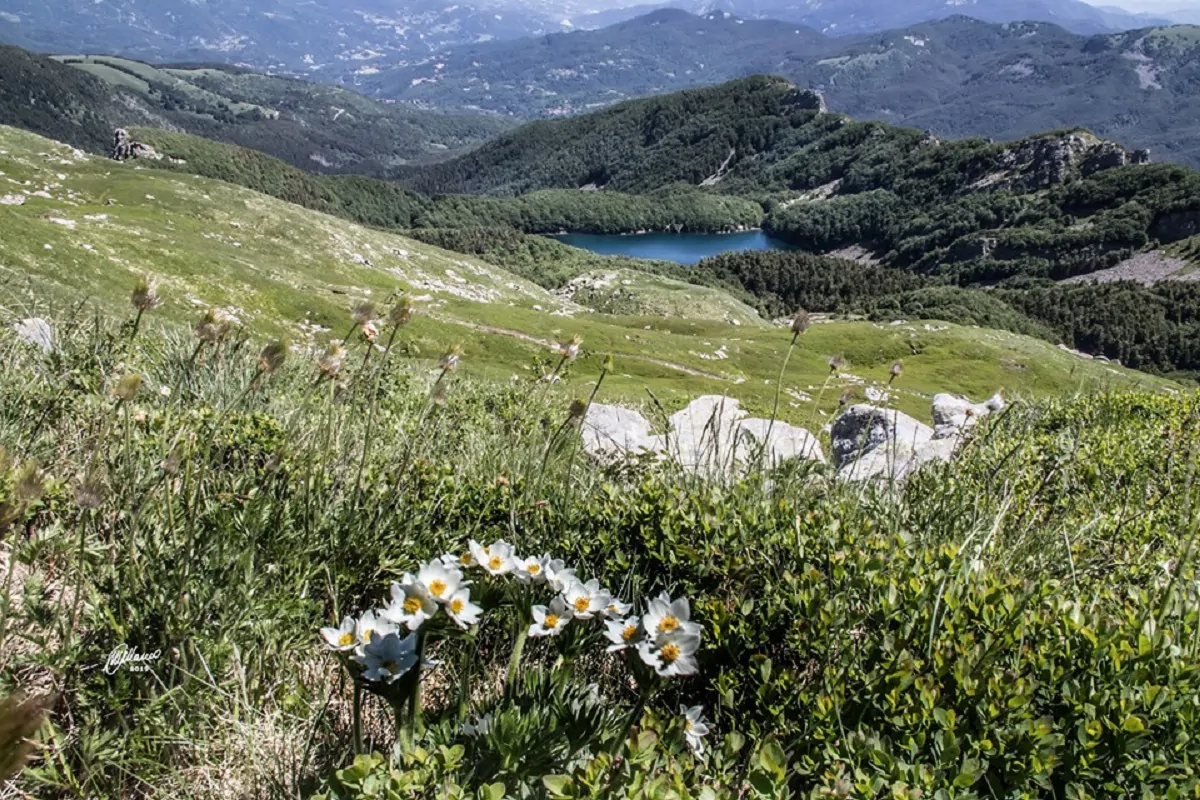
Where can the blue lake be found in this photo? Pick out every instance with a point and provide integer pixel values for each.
(684, 248)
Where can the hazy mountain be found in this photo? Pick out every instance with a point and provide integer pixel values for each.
(954, 77)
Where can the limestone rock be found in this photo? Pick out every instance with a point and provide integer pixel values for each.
(125, 148)
(873, 442)
(614, 431)
(37, 332)
(953, 414)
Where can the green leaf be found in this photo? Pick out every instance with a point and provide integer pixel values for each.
(558, 785)
(1133, 724)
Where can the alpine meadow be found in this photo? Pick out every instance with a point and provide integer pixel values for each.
(330, 469)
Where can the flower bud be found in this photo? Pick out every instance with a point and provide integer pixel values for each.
(330, 362)
(402, 312)
(800, 322)
(213, 326)
(363, 313)
(897, 370)
(449, 362)
(272, 356)
(144, 296)
(127, 388)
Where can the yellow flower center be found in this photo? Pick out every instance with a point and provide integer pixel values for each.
(668, 624)
(534, 568)
(582, 604)
(465, 559)
(345, 640)
(437, 588)
(687, 724)
(669, 653)
(629, 632)
(412, 605)
(391, 666)
(366, 634)
(494, 562)
(551, 621)
(456, 606)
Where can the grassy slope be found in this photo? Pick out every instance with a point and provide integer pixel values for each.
(279, 265)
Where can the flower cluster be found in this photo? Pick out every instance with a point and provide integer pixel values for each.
(373, 640)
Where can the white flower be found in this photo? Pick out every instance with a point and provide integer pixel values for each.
(671, 654)
(667, 616)
(622, 633)
(558, 575)
(439, 580)
(616, 609)
(388, 657)
(341, 638)
(480, 728)
(497, 559)
(550, 621)
(411, 603)
(459, 562)
(694, 727)
(531, 569)
(369, 623)
(462, 610)
(586, 599)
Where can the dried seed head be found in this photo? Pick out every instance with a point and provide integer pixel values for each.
(800, 322)
(570, 349)
(273, 355)
(402, 312)
(369, 332)
(363, 313)
(897, 370)
(609, 364)
(577, 412)
(170, 464)
(91, 487)
(449, 362)
(214, 326)
(845, 399)
(331, 361)
(127, 388)
(145, 295)
(30, 484)
(836, 363)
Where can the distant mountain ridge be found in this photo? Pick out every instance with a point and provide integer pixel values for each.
(337, 39)
(956, 77)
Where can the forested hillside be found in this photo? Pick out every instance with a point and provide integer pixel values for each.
(82, 99)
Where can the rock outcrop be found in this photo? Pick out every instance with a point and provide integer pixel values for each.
(712, 436)
(1046, 161)
(37, 332)
(879, 443)
(125, 148)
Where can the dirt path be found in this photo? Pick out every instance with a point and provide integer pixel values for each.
(525, 337)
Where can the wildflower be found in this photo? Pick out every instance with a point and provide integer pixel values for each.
(531, 569)
(449, 362)
(462, 610)
(401, 313)
(616, 608)
(897, 370)
(666, 616)
(371, 623)
(144, 296)
(341, 638)
(330, 362)
(213, 326)
(570, 350)
(496, 558)
(622, 633)
(459, 562)
(369, 332)
(439, 580)
(586, 599)
(671, 654)
(559, 576)
(164, 391)
(799, 323)
(127, 388)
(362, 314)
(386, 658)
(411, 603)
(694, 727)
(549, 621)
(272, 356)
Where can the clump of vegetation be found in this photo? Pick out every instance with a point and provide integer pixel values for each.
(1020, 622)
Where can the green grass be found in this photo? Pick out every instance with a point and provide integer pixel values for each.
(283, 269)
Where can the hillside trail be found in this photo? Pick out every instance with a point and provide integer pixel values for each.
(548, 343)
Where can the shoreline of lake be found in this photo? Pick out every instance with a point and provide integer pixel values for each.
(682, 248)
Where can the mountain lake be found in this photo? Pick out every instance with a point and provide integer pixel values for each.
(683, 248)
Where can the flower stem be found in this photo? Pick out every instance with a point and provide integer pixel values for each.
(358, 740)
(414, 696)
(514, 662)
